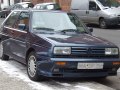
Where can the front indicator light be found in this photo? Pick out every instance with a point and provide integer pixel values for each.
(61, 63)
(116, 63)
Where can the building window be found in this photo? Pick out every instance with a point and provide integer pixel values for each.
(16, 1)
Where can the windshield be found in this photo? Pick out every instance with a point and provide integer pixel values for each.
(109, 3)
(25, 5)
(52, 21)
(53, 7)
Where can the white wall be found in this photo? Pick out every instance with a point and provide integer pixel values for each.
(11, 2)
(6, 3)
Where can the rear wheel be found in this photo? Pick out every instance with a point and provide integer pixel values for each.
(102, 23)
(32, 69)
(5, 57)
(2, 55)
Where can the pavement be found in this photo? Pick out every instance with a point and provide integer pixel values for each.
(11, 83)
(14, 77)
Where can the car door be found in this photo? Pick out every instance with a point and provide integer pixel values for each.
(7, 31)
(20, 37)
(92, 13)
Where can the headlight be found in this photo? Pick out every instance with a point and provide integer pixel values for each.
(111, 51)
(62, 50)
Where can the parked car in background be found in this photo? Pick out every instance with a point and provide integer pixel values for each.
(49, 6)
(56, 44)
(3, 12)
(21, 5)
(102, 12)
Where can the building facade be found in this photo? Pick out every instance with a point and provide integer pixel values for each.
(5, 3)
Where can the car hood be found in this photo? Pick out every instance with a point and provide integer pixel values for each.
(86, 39)
(113, 11)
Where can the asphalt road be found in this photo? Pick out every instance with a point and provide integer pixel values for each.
(12, 71)
(112, 34)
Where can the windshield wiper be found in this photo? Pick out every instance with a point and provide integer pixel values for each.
(43, 28)
(72, 31)
(68, 30)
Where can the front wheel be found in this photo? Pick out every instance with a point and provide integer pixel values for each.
(32, 69)
(102, 23)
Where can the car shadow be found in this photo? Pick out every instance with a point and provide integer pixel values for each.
(115, 27)
(70, 82)
(73, 80)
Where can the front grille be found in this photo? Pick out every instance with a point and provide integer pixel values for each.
(88, 51)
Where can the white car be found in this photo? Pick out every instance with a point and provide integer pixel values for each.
(5, 12)
(48, 6)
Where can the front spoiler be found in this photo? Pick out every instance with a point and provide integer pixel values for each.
(50, 69)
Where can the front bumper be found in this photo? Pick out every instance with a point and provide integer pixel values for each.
(113, 21)
(50, 69)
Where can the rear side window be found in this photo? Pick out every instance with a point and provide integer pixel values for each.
(11, 20)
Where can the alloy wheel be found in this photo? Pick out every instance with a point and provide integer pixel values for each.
(32, 66)
(103, 23)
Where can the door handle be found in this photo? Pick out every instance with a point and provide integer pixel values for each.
(12, 32)
(87, 12)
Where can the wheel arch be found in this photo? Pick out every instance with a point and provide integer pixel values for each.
(28, 52)
(101, 18)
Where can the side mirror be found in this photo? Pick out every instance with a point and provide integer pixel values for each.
(21, 26)
(90, 29)
(58, 8)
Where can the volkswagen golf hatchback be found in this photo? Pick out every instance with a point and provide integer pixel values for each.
(56, 44)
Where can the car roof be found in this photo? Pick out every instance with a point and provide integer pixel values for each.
(45, 3)
(32, 10)
(23, 3)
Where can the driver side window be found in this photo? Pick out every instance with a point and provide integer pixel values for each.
(93, 6)
(23, 19)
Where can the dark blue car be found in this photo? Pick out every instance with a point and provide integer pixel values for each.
(56, 44)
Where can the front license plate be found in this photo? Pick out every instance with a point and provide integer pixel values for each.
(90, 65)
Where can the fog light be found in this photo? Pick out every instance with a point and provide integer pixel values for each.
(116, 63)
(56, 70)
(114, 69)
(61, 63)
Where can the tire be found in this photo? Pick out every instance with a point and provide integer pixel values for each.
(102, 23)
(32, 69)
(2, 55)
(5, 57)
